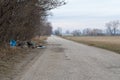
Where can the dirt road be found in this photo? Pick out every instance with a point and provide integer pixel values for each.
(67, 60)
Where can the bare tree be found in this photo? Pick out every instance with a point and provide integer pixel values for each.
(24, 19)
(67, 32)
(112, 27)
(96, 32)
(76, 33)
(87, 32)
(92, 32)
(58, 31)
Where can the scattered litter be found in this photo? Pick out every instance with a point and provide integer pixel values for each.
(31, 44)
(22, 44)
(41, 47)
(25, 44)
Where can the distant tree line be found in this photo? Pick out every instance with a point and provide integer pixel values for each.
(24, 19)
(58, 31)
(112, 29)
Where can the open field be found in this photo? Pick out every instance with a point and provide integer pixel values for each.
(106, 42)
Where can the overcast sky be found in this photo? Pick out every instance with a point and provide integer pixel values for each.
(80, 14)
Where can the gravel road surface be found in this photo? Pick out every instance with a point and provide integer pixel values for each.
(68, 60)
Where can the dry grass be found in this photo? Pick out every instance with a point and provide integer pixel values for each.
(10, 56)
(107, 42)
(40, 40)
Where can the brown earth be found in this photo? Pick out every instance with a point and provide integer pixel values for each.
(13, 67)
(14, 60)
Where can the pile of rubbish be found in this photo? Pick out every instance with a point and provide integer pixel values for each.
(25, 44)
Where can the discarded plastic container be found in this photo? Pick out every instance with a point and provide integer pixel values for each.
(12, 43)
(41, 47)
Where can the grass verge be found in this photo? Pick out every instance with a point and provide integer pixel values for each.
(8, 59)
(11, 57)
(110, 43)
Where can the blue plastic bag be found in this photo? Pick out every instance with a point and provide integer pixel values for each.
(12, 43)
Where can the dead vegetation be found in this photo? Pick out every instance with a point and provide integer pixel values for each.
(25, 19)
(40, 40)
(106, 42)
(22, 20)
(9, 57)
